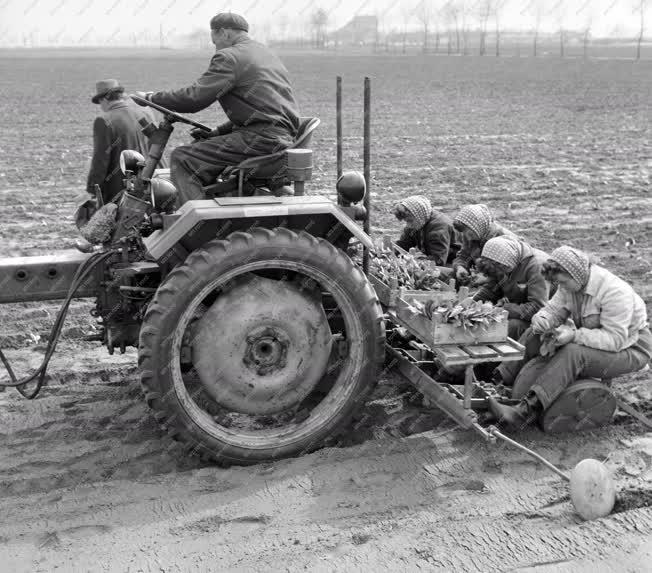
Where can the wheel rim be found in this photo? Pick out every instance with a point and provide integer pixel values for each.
(272, 356)
(328, 408)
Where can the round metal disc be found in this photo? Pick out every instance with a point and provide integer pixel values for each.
(262, 346)
(584, 405)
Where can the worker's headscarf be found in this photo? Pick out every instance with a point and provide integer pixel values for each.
(574, 262)
(504, 250)
(478, 218)
(419, 207)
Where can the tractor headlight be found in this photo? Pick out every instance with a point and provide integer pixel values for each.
(129, 160)
(163, 195)
(351, 187)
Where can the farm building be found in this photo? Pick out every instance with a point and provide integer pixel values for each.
(361, 30)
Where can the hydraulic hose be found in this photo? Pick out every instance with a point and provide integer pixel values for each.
(39, 375)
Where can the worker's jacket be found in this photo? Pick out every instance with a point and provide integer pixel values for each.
(608, 314)
(437, 239)
(115, 130)
(524, 287)
(471, 250)
(252, 86)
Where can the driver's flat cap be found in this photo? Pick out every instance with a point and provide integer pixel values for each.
(229, 20)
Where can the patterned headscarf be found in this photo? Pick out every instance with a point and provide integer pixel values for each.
(504, 250)
(478, 218)
(574, 262)
(419, 207)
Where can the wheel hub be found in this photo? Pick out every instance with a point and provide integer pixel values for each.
(262, 346)
(267, 350)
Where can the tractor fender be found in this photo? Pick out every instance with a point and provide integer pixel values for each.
(194, 215)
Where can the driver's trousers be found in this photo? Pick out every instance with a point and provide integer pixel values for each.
(199, 164)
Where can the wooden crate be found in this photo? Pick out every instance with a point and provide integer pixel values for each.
(437, 333)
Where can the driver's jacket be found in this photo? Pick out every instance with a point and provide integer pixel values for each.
(252, 86)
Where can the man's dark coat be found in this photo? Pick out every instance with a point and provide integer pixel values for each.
(115, 130)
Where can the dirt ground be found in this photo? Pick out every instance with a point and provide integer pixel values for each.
(560, 150)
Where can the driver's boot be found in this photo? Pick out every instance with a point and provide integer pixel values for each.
(523, 414)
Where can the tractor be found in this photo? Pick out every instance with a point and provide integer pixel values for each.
(257, 335)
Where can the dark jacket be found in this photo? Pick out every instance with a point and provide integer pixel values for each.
(115, 130)
(524, 288)
(471, 250)
(251, 84)
(437, 239)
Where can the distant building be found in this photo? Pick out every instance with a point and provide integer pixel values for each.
(359, 31)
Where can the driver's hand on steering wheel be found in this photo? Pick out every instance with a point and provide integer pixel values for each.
(198, 133)
(143, 95)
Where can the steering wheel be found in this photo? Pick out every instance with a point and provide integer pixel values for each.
(170, 115)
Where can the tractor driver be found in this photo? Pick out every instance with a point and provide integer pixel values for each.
(253, 88)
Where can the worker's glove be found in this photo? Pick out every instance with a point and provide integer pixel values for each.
(461, 273)
(417, 254)
(463, 277)
(539, 324)
(565, 333)
(143, 95)
(199, 134)
(479, 279)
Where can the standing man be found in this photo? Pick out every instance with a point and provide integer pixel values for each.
(253, 88)
(115, 130)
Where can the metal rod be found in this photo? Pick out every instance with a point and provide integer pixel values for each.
(367, 167)
(338, 138)
(494, 432)
(469, 380)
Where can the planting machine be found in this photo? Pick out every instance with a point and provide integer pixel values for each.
(258, 336)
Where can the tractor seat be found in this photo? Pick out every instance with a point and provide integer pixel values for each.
(274, 168)
(268, 166)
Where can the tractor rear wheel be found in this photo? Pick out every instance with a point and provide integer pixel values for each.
(260, 346)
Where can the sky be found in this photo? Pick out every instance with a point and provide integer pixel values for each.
(141, 22)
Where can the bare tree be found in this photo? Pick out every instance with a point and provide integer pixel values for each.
(587, 17)
(451, 13)
(406, 16)
(586, 37)
(464, 11)
(318, 22)
(424, 13)
(536, 9)
(484, 12)
(560, 14)
(498, 7)
(641, 6)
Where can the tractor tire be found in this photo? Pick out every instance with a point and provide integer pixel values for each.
(212, 269)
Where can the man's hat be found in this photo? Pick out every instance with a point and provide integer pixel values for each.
(103, 87)
(229, 20)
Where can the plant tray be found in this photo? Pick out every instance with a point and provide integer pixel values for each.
(437, 333)
(443, 294)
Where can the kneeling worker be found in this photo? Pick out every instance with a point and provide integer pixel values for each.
(609, 335)
(516, 282)
(476, 225)
(427, 230)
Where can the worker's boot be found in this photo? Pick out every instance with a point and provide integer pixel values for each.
(523, 414)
